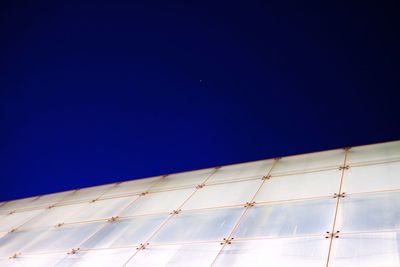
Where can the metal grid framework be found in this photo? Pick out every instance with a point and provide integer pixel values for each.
(333, 208)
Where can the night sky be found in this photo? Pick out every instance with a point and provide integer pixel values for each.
(94, 93)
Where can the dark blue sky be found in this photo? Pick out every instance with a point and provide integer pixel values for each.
(104, 92)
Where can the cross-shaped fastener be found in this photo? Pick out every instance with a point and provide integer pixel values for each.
(74, 251)
(142, 246)
(200, 186)
(15, 255)
(335, 195)
(344, 167)
(113, 219)
(175, 211)
(227, 241)
(332, 235)
(250, 204)
(266, 177)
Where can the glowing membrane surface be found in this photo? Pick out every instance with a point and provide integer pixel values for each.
(334, 208)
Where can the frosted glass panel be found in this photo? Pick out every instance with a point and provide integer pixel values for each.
(310, 162)
(15, 205)
(183, 179)
(87, 194)
(199, 226)
(304, 185)
(166, 201)
(12, 243)
(126, 232)
(18, 204)
(182, 218)
(34, 260)
(63, 238)
(241, 171)
(2, 209)
(285, 252)
(14, 220)
(35, 202)
(366, 250)
(49, 199)
(177, 255)
(132, 187)
(223, 194)
(369, 212)
(102, 209)
(374, 153)
(372, 178)
(98, 258)
(288, 219)
(53, 216)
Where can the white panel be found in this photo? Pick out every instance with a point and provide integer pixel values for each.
(223, 194)
(288, 219)
(374, 153)
(18, 204)
(2, 209)
(35, 202)
(1, 217)
(98, 258)
(34, 260)
(284, 252)
(369, 212)
(132, 187)
(63, 238)
(304, 185)
(127, 232)
(14, 205)
(49, 199)
(366, 250)
(12, 243)
(102, 209)
(207, 225)
(372, 178)
(159, 202)
(242, 171)
(14, 220)
(310, 162)
(87, 194)
(183, 179)
(177, 255)
(286, 227)
(53, 216)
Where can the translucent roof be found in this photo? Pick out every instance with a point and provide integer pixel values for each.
(338, 207)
